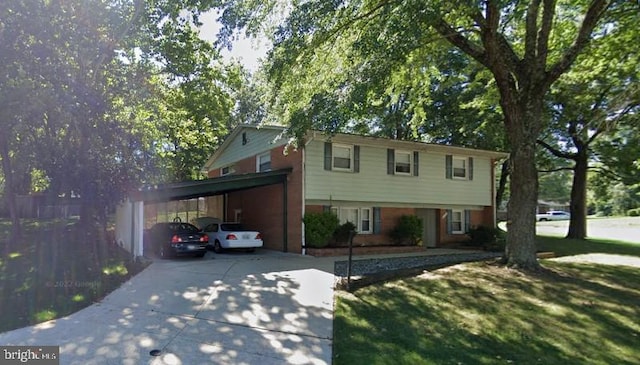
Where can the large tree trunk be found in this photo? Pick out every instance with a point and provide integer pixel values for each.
(9, 190)
(578, 207)
(521, 247)
(523, 122)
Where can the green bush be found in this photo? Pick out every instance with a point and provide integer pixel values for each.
(633, 212)
(341, 234)
(408, 231)
(490, 238)
(319, 228)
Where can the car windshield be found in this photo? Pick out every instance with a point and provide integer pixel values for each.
(232, 227)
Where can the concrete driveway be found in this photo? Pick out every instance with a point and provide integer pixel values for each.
(263, 308)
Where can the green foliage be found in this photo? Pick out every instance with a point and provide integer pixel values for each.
(633, 212)
(489, 238)
(343, 232)
(319, 228)
(408, 230)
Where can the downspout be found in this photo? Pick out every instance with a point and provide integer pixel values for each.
(285, 216)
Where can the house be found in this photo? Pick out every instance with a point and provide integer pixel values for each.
(366, 180)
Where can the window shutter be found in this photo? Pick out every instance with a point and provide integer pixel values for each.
(391, 163)
(356, 158)
(377, 220)
(416, 162)
(327, 156)
(449, 221)
(470, 168)
(326, 208)
(449, 166)
(467, 220)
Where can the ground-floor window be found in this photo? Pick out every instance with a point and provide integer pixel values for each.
(359, 216)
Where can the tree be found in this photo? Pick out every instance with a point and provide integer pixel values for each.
(598, 96)
(526, 46)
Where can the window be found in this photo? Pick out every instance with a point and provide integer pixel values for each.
(459, 168)
(263, 162)
(227, 170)
(342, 157)
(402, 163)
(457, 221)
(365, 220)
(360, 217)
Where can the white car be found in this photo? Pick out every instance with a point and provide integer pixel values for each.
(231, 236)
(553, 215)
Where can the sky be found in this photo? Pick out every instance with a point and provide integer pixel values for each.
(247, 51)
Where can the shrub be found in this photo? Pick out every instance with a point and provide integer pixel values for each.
(633, 212)
(319, 228)
(341, 234)
(492, 239)
(408, 231)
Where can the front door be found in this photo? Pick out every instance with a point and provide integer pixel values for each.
(429, 235)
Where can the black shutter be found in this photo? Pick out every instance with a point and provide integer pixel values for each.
(391, 163)
(327, 155)
(449, 167)
(467, 220)
(449, 221)
(356, 158)
(470, 168)
(326, 208)
(416, 162)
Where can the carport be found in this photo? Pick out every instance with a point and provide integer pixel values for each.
(130, 219)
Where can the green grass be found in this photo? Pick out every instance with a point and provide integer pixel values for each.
(566, 247)
(487, 314)
(56, 269)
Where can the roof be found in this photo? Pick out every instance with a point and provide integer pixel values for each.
(208, 187)
(358, 139)
(234, 133)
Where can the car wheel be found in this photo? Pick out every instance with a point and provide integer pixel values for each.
(216, 247)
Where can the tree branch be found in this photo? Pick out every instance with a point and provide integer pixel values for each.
(457, 39)
(548, 13)
(556, 170)
(594, 14)
(556, 152)
(531, 25)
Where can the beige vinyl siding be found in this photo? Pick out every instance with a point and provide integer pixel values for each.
(258, 141)
(373, 184)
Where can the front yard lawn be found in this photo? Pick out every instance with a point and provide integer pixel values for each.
(56, 269)
(482, 313)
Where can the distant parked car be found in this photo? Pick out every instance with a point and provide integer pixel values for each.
(224, 236)
(554, 215)
(177, 238)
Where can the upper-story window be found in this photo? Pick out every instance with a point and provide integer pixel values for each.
(263, 162)
(403, 163)
(342, 157)
(227, 170)
(459, 168)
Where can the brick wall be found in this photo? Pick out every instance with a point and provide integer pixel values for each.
(262, 208)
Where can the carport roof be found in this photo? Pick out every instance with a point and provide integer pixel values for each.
(208, 187)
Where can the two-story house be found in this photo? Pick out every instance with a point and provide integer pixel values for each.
(368, 181)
